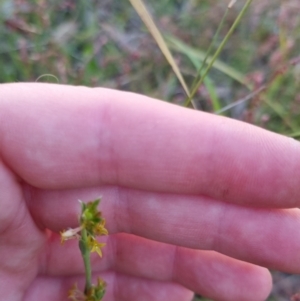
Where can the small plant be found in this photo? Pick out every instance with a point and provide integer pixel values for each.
(91, 225)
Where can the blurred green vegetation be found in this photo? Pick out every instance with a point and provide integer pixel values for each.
(104, 43)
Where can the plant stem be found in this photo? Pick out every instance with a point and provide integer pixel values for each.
(83, 245)
(198, 75)
(218, 51)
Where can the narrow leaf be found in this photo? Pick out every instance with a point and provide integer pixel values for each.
(148, 21)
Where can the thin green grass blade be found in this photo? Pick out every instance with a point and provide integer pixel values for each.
(217, 53)
(295, 135)
(269, 98)
(195, 55)
(277, 108)
(216, 35)
(216, 104)
(148, 21)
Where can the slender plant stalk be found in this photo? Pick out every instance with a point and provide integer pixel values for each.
(218, 51)
(91, 225)
(244, 99)
(86, 260)
(209, 50)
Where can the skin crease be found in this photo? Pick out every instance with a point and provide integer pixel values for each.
(193, 201)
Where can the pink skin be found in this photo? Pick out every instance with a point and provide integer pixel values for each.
(193, 201)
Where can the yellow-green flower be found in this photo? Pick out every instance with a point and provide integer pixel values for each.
(91, 219)
(100, 288)
(95, 246)
(97, 292)
(100, 228)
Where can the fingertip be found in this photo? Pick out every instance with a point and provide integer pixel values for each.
(222, 278)
(263, 284)
(257, 284)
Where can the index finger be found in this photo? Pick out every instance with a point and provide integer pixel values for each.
(57, 136)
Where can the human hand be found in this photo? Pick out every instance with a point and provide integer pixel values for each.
(192, 201)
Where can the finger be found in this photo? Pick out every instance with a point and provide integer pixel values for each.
(20, 240)
(57, 136)
(265, 237)
(208, 273)
(119, 288)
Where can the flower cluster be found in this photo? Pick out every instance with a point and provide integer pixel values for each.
(96, 292)
(92, 224)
